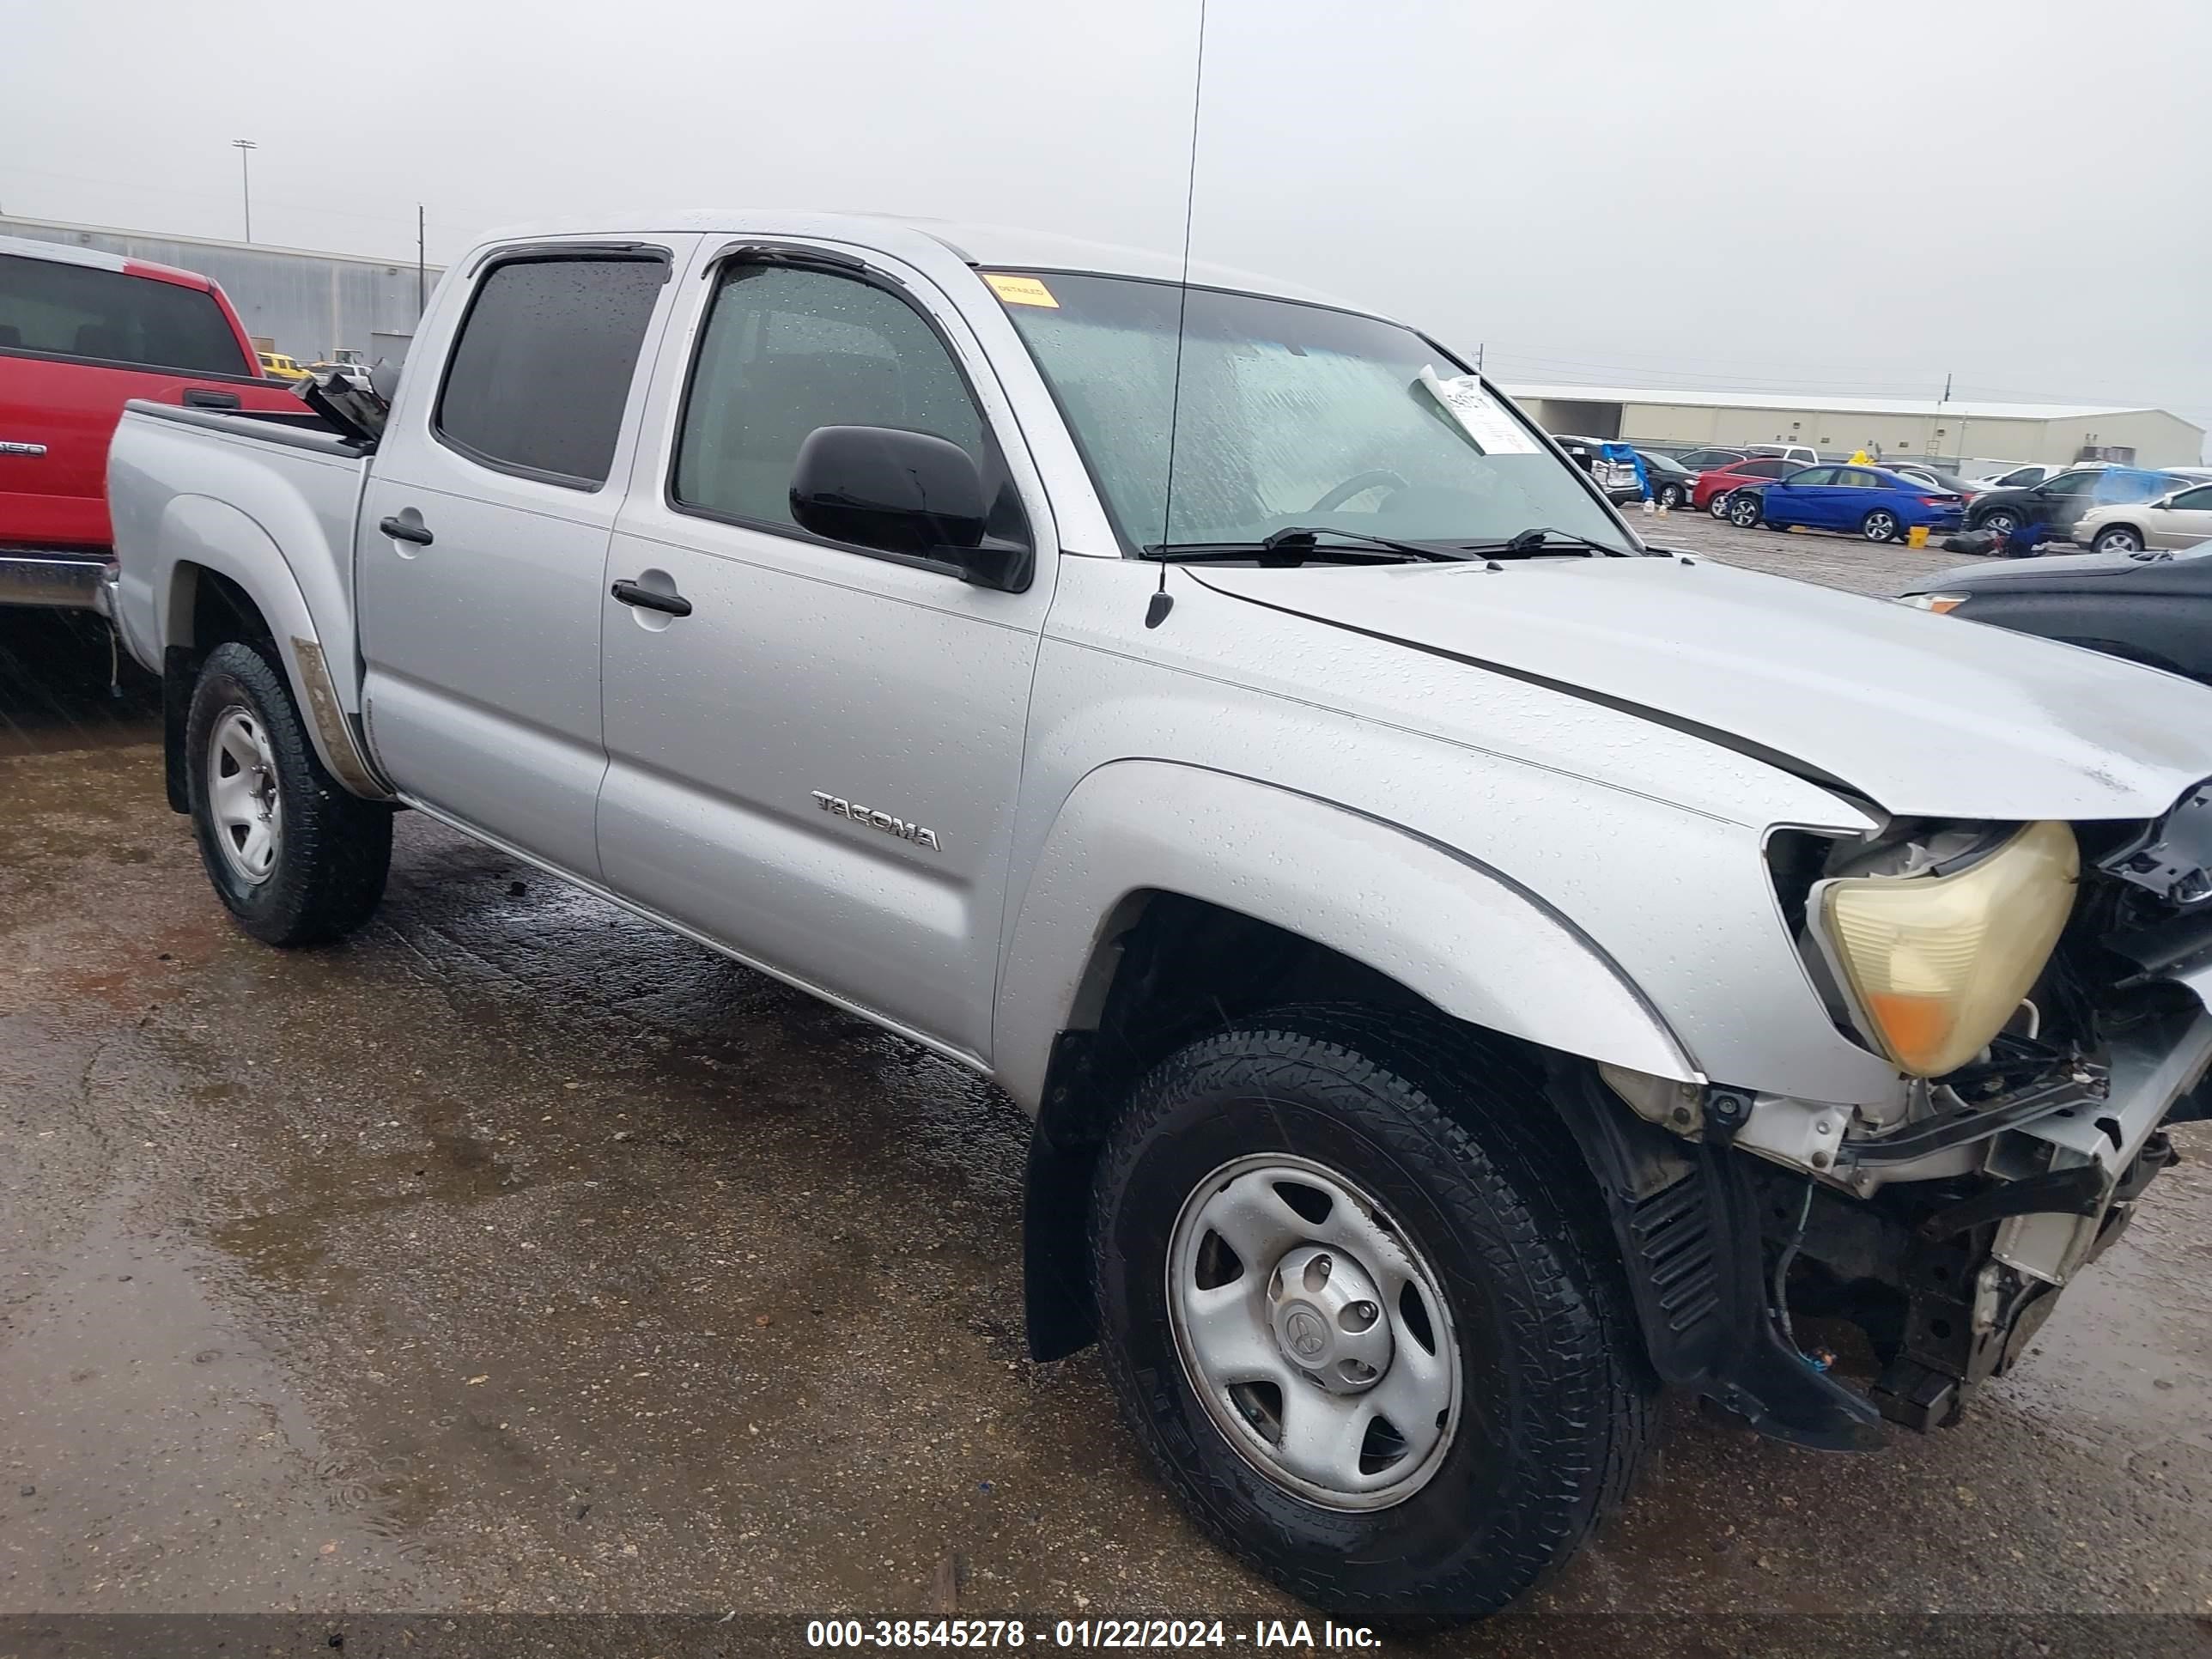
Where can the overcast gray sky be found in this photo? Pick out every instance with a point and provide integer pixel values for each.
(1854, 198)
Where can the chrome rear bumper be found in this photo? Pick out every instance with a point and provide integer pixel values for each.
(71, 582)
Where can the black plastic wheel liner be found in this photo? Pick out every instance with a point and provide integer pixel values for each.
(1686, 1219)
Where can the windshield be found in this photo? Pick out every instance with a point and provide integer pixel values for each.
(1291, 415)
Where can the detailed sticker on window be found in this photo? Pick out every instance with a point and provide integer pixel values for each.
(1463, 397)
(1020, 290)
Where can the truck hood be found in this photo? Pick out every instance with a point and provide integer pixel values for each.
(1918, 713)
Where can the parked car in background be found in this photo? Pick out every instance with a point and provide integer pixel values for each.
(1797, 455)
(2059, 503)
(1672, 482)
(1704, 459)
(1873, 501)
(2152, 607)
(82, 333)
(1965, 488)
(278, 367)
(1711, 490)
(2019, 477)
(2181, 517)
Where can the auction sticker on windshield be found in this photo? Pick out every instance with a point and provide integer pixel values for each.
(1469, 401)
(1021, 290)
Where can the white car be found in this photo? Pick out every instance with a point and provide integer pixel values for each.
(2180, 518)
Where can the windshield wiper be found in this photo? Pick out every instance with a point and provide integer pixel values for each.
(1542, 538)
(1298, 544)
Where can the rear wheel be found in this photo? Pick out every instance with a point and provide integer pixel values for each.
(2119, 538)
(2000, 521)
(292, 855)
(1879, 525)
(1350, 1320)
(1718, 506)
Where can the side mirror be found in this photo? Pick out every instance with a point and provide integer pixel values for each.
(901, 492)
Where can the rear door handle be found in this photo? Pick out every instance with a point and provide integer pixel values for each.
(408, 530)
(631, 593)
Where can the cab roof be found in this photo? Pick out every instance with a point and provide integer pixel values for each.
(66, 253)
(993, 247)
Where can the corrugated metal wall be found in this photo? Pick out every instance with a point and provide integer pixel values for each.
(307, 303)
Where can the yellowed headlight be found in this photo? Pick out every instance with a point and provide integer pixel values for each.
(1936, 964)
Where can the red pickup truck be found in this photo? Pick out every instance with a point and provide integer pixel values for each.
(82, 333)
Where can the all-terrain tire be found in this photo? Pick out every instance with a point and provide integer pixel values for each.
(1455, 1143)
(335, 849)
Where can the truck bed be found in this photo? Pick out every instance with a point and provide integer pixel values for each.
(214, 489)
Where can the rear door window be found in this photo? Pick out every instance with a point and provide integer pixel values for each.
(112, 317)
(541, 372)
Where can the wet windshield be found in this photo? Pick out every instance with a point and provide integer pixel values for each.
(1291, 415)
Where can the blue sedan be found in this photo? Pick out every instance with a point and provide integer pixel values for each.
(1866, 501)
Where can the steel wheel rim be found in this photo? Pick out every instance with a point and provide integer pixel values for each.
(244, 803)
(1331, 1434)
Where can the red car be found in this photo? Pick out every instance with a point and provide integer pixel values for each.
(1711, 489)
(81, 334)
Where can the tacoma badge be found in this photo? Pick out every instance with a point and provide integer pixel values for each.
(883, 821)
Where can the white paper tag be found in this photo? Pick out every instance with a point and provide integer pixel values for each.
(1494, 431)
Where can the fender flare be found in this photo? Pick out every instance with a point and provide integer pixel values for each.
(201, 530)
(1469, 939)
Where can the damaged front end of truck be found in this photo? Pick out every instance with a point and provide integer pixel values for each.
(2046, 992)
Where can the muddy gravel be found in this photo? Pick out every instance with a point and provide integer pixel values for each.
(513, 1258)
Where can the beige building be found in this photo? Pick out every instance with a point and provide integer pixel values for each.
(1963, 433)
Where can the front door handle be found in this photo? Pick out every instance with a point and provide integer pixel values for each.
(631, 593)
(408, 530)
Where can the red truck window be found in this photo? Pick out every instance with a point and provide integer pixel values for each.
(108, 316)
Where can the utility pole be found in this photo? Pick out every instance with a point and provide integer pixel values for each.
(418, 262)
(1947, 385)
(246, 180)
(1478, 356)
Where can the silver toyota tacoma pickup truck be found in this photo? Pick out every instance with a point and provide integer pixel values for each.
(1469, 970)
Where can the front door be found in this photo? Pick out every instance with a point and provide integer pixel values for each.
(815, 765)
(483, 541)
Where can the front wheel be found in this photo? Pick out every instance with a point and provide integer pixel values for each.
(292, 855)
(1744, 511)
(1351, 1320)
(1879, 525)
(2120, 538)
(1670, 496)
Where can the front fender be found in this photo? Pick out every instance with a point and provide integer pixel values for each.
(1471, 941)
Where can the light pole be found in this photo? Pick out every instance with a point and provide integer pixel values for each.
(245, 180)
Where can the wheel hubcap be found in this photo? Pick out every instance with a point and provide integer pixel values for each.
(242, 795)
(1313, 1333)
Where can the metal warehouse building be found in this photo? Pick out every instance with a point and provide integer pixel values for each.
(1899, 430)
(303, 304)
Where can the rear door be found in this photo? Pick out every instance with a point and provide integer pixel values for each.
(483, 541)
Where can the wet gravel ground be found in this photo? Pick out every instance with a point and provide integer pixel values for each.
(513, 1258)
